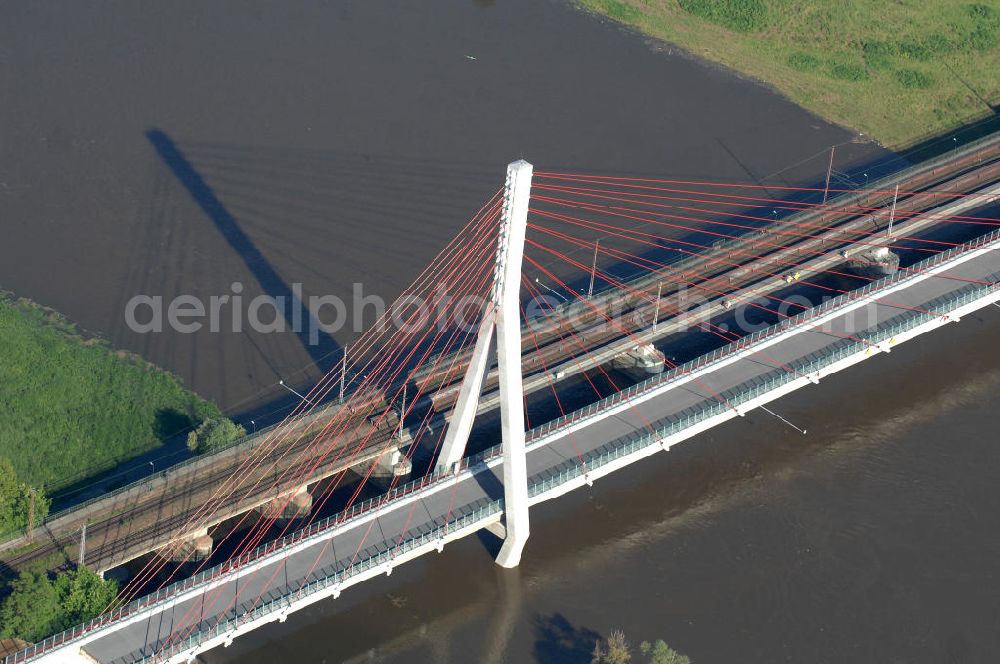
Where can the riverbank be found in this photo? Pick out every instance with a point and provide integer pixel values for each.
(73, 405)
(896, 72)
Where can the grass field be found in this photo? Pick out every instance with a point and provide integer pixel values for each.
(899, 71)
(71, 404)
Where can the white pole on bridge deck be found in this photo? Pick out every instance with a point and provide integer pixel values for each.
(829, 172)
(402, 414)
(892, 212)
(282, 383)
(656, 312)
(593, 270)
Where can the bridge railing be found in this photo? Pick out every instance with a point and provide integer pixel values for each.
(724, 352)
(844, 348)
(249, 442)
(258, 610)
(613, 450)
(243, 445)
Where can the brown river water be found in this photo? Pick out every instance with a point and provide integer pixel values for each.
(174, 149)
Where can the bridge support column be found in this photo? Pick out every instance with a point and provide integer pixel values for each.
(194, 547)
(297, 506)
(640, 362)
(393, 463)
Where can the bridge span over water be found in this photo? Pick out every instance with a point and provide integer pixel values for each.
(736, 261)
(493, 489)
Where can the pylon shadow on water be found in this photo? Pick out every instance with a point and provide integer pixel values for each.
(324, 353)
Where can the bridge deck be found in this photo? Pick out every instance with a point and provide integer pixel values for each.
(678, 402)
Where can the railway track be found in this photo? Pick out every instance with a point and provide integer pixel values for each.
(772, 248)
(128, 529)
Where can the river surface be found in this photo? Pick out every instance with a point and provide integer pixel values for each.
(176, 149)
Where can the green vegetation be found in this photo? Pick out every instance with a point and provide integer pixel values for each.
(897, 71)
(616, 650)
(213, 434)
(660, 653)
(620, 11)
(18, 501)
(741, 15)
(40, 605)
(911, 78)
(849, 71)
(72, 405)
(879, 55)
(804, 61)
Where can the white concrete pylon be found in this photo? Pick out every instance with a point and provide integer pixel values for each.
(464, 413)
(502, 316)
(515, 471)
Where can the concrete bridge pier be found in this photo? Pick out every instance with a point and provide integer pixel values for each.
(394, 463)
(298, 505)
(873, 263)
(391, 464)
(194, 547)
(640, 362)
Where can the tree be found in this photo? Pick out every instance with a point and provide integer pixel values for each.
(213, 434)
(615, 651)
(16, 501)
(84, 595)
(39, 606)
(31, 611)
(660, 653)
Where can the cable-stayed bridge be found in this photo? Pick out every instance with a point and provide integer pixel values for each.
(831, 278)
